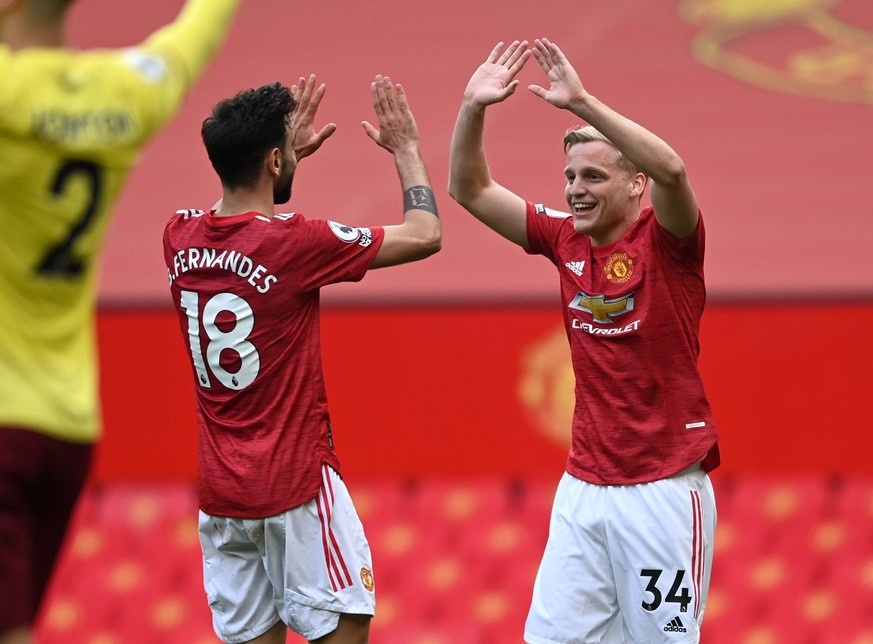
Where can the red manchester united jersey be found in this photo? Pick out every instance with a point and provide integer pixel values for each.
(247, 292)
(632, 315)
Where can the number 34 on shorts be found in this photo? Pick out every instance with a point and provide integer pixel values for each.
(676, 591)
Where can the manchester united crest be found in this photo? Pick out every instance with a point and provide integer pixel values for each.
(367, 579)
(619, 268)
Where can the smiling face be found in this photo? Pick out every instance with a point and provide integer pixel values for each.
(603, 195)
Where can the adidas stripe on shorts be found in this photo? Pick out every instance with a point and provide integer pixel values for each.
(625, 563)
(304, 567)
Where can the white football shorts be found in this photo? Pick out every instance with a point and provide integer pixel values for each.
(625, 563)
(304, 567)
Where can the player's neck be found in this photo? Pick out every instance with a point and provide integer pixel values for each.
(616, 232)
(243, 201)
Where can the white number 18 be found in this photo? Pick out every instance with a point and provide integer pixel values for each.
(235, 340)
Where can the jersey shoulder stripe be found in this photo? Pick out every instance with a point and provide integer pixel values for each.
(540, 209)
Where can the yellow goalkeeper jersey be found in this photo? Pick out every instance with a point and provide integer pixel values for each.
(72, 125)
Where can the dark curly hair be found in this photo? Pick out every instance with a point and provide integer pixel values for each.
(243, 128)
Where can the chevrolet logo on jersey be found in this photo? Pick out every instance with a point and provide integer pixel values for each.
(601, 309)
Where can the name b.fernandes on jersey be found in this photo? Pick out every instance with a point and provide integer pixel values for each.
(189, 259)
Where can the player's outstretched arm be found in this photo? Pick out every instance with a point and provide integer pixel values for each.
(672, 196)
(172, 59)
(470, 181)
(194, 37)
(307, 98)
(420, 234)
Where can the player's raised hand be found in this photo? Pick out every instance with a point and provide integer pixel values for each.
(494, 80)
(397, 127)
(308, 97)
(566, 89)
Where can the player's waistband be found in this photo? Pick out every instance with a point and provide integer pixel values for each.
(695, 467)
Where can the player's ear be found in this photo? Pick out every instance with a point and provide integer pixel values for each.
(638, 184)
(273, 161)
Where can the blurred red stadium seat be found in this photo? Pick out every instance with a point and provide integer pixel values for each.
(455, 563)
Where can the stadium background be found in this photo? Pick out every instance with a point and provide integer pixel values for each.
(448, 380)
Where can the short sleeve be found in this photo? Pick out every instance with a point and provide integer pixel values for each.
(331, 252)
(685, 250)
(544, 227)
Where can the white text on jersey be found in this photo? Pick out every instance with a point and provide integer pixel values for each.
(229, 260)
(596, 330)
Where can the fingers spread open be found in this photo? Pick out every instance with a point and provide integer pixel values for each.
(518, 52)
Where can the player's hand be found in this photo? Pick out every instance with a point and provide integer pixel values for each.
(397, 128)
(494, 80)
(308, 97)
(566, 89)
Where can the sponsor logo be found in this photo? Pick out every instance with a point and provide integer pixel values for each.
(597, 330)
(675, 625)
(576, 267)
(619, 268)
(366, 237)
(601, 309)
(695, 425)
(151, 67)
(367, 579)
(345, 233)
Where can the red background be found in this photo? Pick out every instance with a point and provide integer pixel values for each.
(780, 160)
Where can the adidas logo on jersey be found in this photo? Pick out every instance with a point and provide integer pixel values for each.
(576, 267)
(675, 625)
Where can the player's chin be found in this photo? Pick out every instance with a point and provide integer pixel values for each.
(282, 191)
(582, 225)
(282, 196)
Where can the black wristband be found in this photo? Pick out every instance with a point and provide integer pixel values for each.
(419, 198)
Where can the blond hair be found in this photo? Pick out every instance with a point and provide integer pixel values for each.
(590, 134)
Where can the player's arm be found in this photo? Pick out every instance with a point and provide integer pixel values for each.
(672, 196)
(196, 33)
(193, 38)
(420, 234)
(470, 181)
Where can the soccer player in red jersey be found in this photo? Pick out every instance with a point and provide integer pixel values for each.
(282, 544)
(629, 552)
